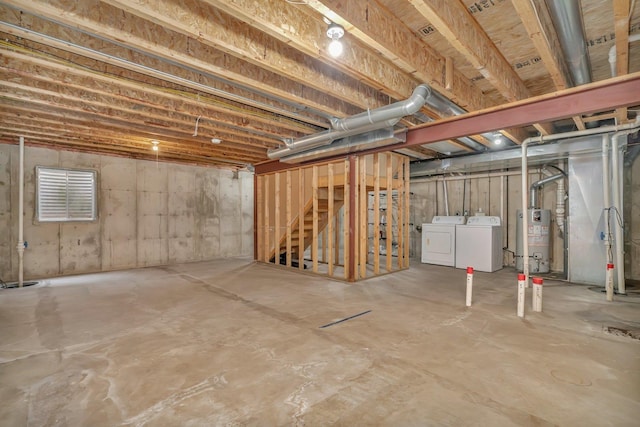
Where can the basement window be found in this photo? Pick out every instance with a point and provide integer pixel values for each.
(65, 195)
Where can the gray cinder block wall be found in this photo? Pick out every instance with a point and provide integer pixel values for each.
(149, 214)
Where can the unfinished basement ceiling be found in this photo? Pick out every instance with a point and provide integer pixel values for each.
(112, 76)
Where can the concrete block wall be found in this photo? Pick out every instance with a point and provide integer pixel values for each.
(149, 214)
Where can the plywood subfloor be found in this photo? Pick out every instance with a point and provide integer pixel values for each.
(231, 342)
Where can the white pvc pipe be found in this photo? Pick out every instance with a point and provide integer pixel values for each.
(469, 176)
(613, 54)
(618, 217)
(566, 135)
(446, 198)
(20, 246)
(525, 214)
(606, 182)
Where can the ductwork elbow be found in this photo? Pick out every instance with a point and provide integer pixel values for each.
(367, 121)
(387, 113)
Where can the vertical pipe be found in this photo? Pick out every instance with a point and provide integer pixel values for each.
(525, 217)
(606, 181)
(617, 205)
(446, 197)
(469, 295)
(20, 245)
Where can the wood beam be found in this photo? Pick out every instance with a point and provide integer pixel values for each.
(454, 22)
(210, 26)
(378, 28)
(621, 14)
(536, 19)
(306, 33)
(155, 42)
(138, 93)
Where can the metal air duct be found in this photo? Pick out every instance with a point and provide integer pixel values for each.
(367, 121)
(567, 20)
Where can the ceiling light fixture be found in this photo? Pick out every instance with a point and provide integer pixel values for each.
(155, 145)
(335, 33)
(499, 140)
(216, 140)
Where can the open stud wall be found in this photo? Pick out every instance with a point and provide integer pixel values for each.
(346, 219)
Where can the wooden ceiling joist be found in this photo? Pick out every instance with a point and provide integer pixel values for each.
(172, 48)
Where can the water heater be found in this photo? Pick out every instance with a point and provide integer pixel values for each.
(538, 240)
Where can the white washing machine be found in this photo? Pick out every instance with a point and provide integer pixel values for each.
(439, 240)
(479, 243)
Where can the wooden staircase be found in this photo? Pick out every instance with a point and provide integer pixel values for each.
(306, 225)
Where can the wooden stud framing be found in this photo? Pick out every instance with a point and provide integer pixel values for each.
(288, 218)
(314, 239)
(389, 216)
(330, 219)
(376, 214)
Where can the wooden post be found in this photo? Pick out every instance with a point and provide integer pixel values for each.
(267, 225)
(330, 218)
(277, 235)
(407, 194)
(256, 215)
(350, 195)
(259, 246)
(314, 239)
(376, 214)
(301, 204)
(400, 215)
(288, 218)
(389, 216)
(363, 218)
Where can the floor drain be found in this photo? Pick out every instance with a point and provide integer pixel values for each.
(621, 332)
(13, 285)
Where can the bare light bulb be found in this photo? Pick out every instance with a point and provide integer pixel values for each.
(499, 140)
(154, 148)
(335, 48)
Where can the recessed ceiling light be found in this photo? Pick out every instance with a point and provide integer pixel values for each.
(216, 140)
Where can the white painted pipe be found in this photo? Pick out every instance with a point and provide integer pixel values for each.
(525, 214)
(463, 177)
(20, 246)
(544, 138)
(560, 205)
(609, 282)
(613, 55)
(502, 217)
(446, 197)
(536, 294)
(469, 286)
(606, 182)
(522, 281)
(618, 217)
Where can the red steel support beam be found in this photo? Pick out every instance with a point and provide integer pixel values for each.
(605, 95)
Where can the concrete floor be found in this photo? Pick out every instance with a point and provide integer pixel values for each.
(231, 342)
